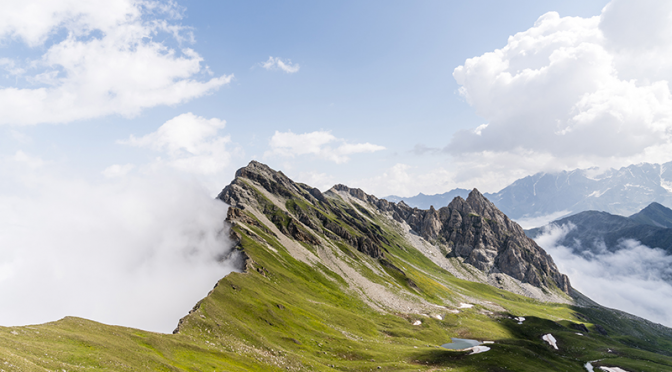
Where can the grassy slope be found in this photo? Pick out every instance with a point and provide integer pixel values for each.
(283, 314)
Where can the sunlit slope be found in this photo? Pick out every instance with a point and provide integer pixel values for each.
(311, 299)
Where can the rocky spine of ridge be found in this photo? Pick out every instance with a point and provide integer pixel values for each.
(363, 236)
(473, 229)
(476, 231)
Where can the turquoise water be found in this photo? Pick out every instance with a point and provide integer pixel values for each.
(460, 343)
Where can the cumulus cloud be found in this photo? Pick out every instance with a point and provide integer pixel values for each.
(405, 180)
(110, 61)
(319, 143)
(574, 91)
(634, 278)
(117, 170)
(134, 251)
(275, 63)
(190, 142)
(320, 180)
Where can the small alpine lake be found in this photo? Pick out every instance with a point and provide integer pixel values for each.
(460, 343)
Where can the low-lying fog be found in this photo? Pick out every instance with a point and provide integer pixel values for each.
(136, 251)
(635, 278)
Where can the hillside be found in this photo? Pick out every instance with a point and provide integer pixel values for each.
(343, 281)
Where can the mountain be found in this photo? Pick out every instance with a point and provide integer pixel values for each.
(344, 281)
(623, 191)
(595, 231)
(655, 215)
(423, 201)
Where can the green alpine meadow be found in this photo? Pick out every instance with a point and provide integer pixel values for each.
(343, 281)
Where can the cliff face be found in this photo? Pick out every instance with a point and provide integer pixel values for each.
(473, 230)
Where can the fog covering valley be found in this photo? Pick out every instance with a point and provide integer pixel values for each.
(138, 252)
(633, 278)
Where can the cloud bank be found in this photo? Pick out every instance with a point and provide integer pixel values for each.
(317, 143)
(572, 92)
(133, 251)
(99, 58)
(635, 278)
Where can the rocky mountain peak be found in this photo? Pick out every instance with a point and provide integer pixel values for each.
(472, 230)
(484, 237)
(480, 204)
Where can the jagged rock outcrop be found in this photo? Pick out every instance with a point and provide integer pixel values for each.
(476, 231)
(473, 230)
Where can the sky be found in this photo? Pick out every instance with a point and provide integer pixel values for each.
(116, 114)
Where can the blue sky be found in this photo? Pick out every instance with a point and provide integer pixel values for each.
(120, 120)
(378, 73)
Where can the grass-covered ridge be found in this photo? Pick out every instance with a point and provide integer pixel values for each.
(287, 312)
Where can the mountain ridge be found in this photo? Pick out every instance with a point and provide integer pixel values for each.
(595, 231)
(569, 192)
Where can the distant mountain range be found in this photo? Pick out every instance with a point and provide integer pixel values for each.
(623, 192)
(595, 231)
(423, 201)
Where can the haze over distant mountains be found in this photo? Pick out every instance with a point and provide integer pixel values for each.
(621, 191)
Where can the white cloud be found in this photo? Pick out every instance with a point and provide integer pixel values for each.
(322, 181)
(10, 66)
(635, 278)
(133, 251)
(274, 63)
(573, 91)
(404, 180)
(317, 143)
(191, 143)
(29, 161)
(532, 222)
(117, 170)
(109, 62)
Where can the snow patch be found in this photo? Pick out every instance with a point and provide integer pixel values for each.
(520, 319)
(417, 323)
(551, 340)
(479, 349)
(465, 306)
(667, 185)
(598, 193)
(613, 369)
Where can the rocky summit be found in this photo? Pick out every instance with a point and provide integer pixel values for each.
(343, 281)
(475, 231)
